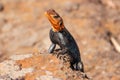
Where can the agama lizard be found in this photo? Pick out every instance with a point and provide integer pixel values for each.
(59, 35)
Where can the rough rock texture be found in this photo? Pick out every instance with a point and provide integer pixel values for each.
(24, 28)
(36, 67)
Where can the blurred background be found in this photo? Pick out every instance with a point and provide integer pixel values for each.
(95, 25)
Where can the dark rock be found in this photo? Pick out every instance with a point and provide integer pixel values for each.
(95, 1)
(1, 7)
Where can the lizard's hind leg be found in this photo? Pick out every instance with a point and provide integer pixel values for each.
(79, 66)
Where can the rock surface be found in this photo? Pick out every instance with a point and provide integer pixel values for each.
(36, 67)
(24, 28)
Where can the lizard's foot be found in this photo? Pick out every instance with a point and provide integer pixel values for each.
(64, 57)
(84, 75)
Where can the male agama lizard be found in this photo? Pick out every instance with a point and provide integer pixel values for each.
(59, 35)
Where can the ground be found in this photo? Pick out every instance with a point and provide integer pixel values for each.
(24, 28)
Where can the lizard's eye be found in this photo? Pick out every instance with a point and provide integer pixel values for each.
(56, 16)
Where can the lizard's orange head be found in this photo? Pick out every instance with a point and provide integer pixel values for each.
(55, 20)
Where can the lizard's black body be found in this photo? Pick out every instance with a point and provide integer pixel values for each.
(68, 45)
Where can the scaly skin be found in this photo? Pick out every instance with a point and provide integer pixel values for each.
(59, 35)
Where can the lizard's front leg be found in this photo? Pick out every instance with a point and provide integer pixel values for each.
(51, 48)
(62, 52)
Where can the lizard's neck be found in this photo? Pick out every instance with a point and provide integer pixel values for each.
(55, 30)
(58, 28)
